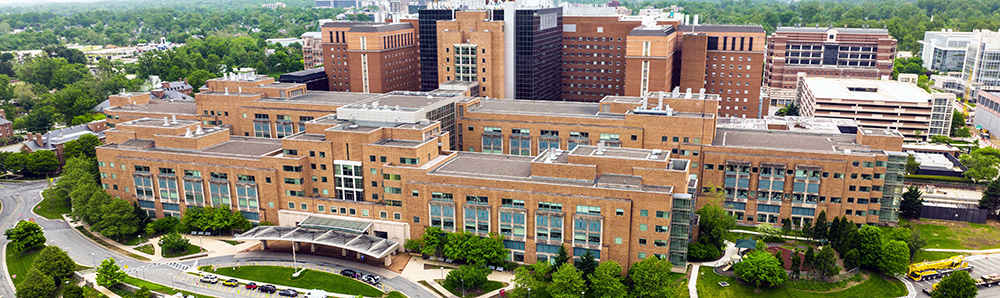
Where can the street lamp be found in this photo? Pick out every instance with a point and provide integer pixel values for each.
(463, 287)
(529, 292)
(93, 260)
(201, 242)
(581, 294)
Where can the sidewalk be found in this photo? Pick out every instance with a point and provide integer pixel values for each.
(92, 279)
(74, 224)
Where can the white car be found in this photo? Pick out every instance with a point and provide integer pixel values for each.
(210, 279)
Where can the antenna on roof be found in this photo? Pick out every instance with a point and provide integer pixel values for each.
(188, 133)
(173, 119)
(165, 122)
(199, 131)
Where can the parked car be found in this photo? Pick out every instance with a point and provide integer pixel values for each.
(232, 282)
(267, 289)
(349, 273)
(288, 292)
(371, 279)
(252, 286)
(210, 279)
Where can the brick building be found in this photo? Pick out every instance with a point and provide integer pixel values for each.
(620, 177)
(470, 49)
(593, 56)
(312, 49)
(370, 57)
(860, 53)
(730, 58)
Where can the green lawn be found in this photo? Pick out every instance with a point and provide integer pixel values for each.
(147, 249)
(52, 208)
(191, 249)
(18, 263)
(395, 294)
(309, 279)
(231, 242)
(490, 286)
(875, 286)
(923, 255)
(90, 292)
(957, 235)
(132, 240)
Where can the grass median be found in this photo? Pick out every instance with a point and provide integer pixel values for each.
(191, 249)
(309, 279)
(19, 262)
(109, 245)
(51, 207)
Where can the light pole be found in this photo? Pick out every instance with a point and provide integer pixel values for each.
(463, 287)
(581, 294)
(201, 242)
(529, 292)
(93, 260)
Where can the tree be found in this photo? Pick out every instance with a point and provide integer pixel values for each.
(606, 281)
(833, 234)
(39, 120)
(524, 281)
(768, 232)
(956, 285)
(713, 228)
(912, 166)
(567, 282)
(587, 265)
(870, 246)
(982, 163)
(467, 277)
(197, 78)
(82, 146)
(820, 230)
(789, 110)
(957, 124)
(73, 291)
(109, 274)
(796, 267)
(825, 262)
(36, 284)
(852, 259)
(42, 163)
(174, 242)
(895, 258)
(116, 219)
(162, 226)
(25, 235)
(807, 230)
(991, 197)
(17, 163)
(54, 262)
(786, 226)
(808, 259)
(561, 258)
(760, 268)
(650, 278)
(143, 293)
(912, 203)
(434, 241)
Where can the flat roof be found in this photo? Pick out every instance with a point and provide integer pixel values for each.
(839, 30)
(537, 107)
(322, 98)
(618, 152)
(486, 165)
(791, 123)
(367, 244)
(167, 107)
(881, 90)
(245, 146)
(720, 28)
(406, 99)
(783, 140)
(307, 137)
(349, 226)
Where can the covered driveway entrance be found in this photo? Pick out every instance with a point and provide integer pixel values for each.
(343, 234)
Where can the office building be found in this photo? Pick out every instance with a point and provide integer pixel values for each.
(724, 60)
(988, 111)
(849, 53)
(649, 59)
(982, 62)
(944, 51)
(55, 140)
(427, 28)
(312, 49)
(370, 57)
(471, 49)
(897, 105)
(593, 56)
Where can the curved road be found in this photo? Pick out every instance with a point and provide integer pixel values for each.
(19, 198)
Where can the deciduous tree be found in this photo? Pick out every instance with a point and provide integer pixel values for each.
(174, 242)
(957, 285)
(467, 276)
(870, 246)
(36, 285)
(24, 235)
(567, 282)
(761, 268)
(54, 262)
(606, 281)
(895, 258)
(109, 274)
(650, 278)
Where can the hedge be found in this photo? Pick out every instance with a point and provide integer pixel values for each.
(940, 178)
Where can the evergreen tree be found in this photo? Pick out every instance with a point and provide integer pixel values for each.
(912, 203)
(587, 264)
(561, 258)
(821, 228)
(991, 197)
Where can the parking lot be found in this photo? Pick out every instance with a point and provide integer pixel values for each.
(981, 265)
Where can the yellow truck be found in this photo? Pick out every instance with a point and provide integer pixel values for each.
(938, 269)
(983, 281)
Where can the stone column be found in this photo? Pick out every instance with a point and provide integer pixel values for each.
(295, 245)
(263, 245)
(343, 252)
(388, 260)
(312, 247)
(359, 255)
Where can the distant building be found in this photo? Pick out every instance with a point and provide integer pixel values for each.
(273, 5)
(898, 105)
(849, 53)
(6, 127)
(370, 57)
(982, 58)
(336, 3)
(178, 90)
(944, 50)
(312, 49)
(55, 139)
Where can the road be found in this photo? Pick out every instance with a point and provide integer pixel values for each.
(18, 198)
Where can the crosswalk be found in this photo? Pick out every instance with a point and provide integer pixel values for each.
(133, 270)
(178, 266)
